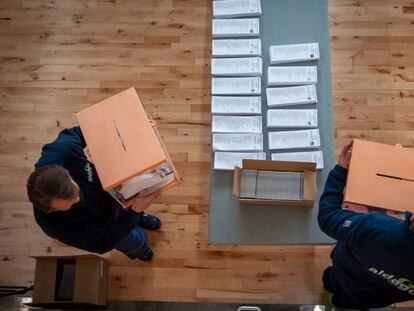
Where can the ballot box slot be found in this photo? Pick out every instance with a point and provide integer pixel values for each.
(395, 177)
(118, 134)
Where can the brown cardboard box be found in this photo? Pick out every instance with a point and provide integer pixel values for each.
(70, 280)
(380, 176)
(309, 187)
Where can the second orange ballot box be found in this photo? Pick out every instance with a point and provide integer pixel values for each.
(381, 176)
(128, 153)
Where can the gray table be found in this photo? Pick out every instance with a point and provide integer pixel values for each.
(282, 22)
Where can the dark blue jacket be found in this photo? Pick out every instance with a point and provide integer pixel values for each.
(97, 223)
(373, 261)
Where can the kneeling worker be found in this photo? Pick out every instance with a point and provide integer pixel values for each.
(70, 205)
(372, 262)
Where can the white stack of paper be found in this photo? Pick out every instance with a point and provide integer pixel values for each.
(244, 27)
(293, 53)
(231, 124)
(309, 156)
(236, 86)
(278, 185)
(237, 142)
(237, 67)
(294, 139)
(292, 75)
(236, 105)
(291, 118)
(228, 160)
(237, 47)
(292, 95)
(236, 8)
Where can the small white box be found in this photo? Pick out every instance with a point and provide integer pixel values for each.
(236, 8)
(236, 105)
(292, 95)
(291, 53)
(227, 28)
(236, 47)
(237, 67)
(236, 86)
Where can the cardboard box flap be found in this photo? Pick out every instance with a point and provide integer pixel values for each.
(120, 138)
(237, 180)
(278, 165)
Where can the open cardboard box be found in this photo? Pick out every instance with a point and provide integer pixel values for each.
(380, 176)
(309, 181)
(123, 141)
(70, 280)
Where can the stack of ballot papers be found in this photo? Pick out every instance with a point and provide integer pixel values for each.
(236, 105)
(228, 160)
(292, 95)
(307, 156)
(236, 86)
(292, 118)
(291, 75)
(236, 124)
(276, 185)
(291, 53)
(237, 67)
(236, 47)
(294, 139)
(238, 142)
(243, 27)
(236, 8)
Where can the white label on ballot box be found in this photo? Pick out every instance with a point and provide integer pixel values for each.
(290, 118)
(292, 95)
(228, 160)
(237, 142)
(236, 47)
(236, 86)
(236, 8)
(236, 105)
(293, 53)
(291, 75)
(294, 139)
(243, 27)
(309, 156)
(231, 124)
(240, 66)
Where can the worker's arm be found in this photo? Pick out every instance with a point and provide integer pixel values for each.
(333, 220)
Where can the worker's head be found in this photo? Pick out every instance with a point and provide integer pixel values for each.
(51, 188)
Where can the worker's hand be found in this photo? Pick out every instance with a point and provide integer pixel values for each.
(141, 203)
(345, 156)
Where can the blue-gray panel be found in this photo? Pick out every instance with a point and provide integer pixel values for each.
(282, 22)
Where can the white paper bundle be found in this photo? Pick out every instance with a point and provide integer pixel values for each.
(236, 105)
(236, 86)
(236, 47)
(292, 118)
(236, 8)
(237, 67)
(309, 156)
(230, 124)
(292, 95)
(294, 139)
(291, 53)
(292, 75)
(237, 142)
(243, 27)
(228, 160)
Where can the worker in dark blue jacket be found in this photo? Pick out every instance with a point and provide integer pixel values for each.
(372, 262)
(70, 205)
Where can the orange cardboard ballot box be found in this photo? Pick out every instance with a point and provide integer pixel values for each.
(128, 153)
(381, 176)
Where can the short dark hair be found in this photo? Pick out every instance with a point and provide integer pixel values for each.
(47, 183)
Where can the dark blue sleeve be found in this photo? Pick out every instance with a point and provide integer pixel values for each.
(68, 145)
(339, 224)
(88, 236)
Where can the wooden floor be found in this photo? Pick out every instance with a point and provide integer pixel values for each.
(60, 56)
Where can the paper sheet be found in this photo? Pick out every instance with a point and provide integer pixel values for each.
(237, 67)
(294, 139)
(310, 156)
(236, 124)
(291, 75)
(243, 27)
(292, 118)
(236, 47)
(237, 142)
(293, 53)
(236, 105)
(293, 95)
